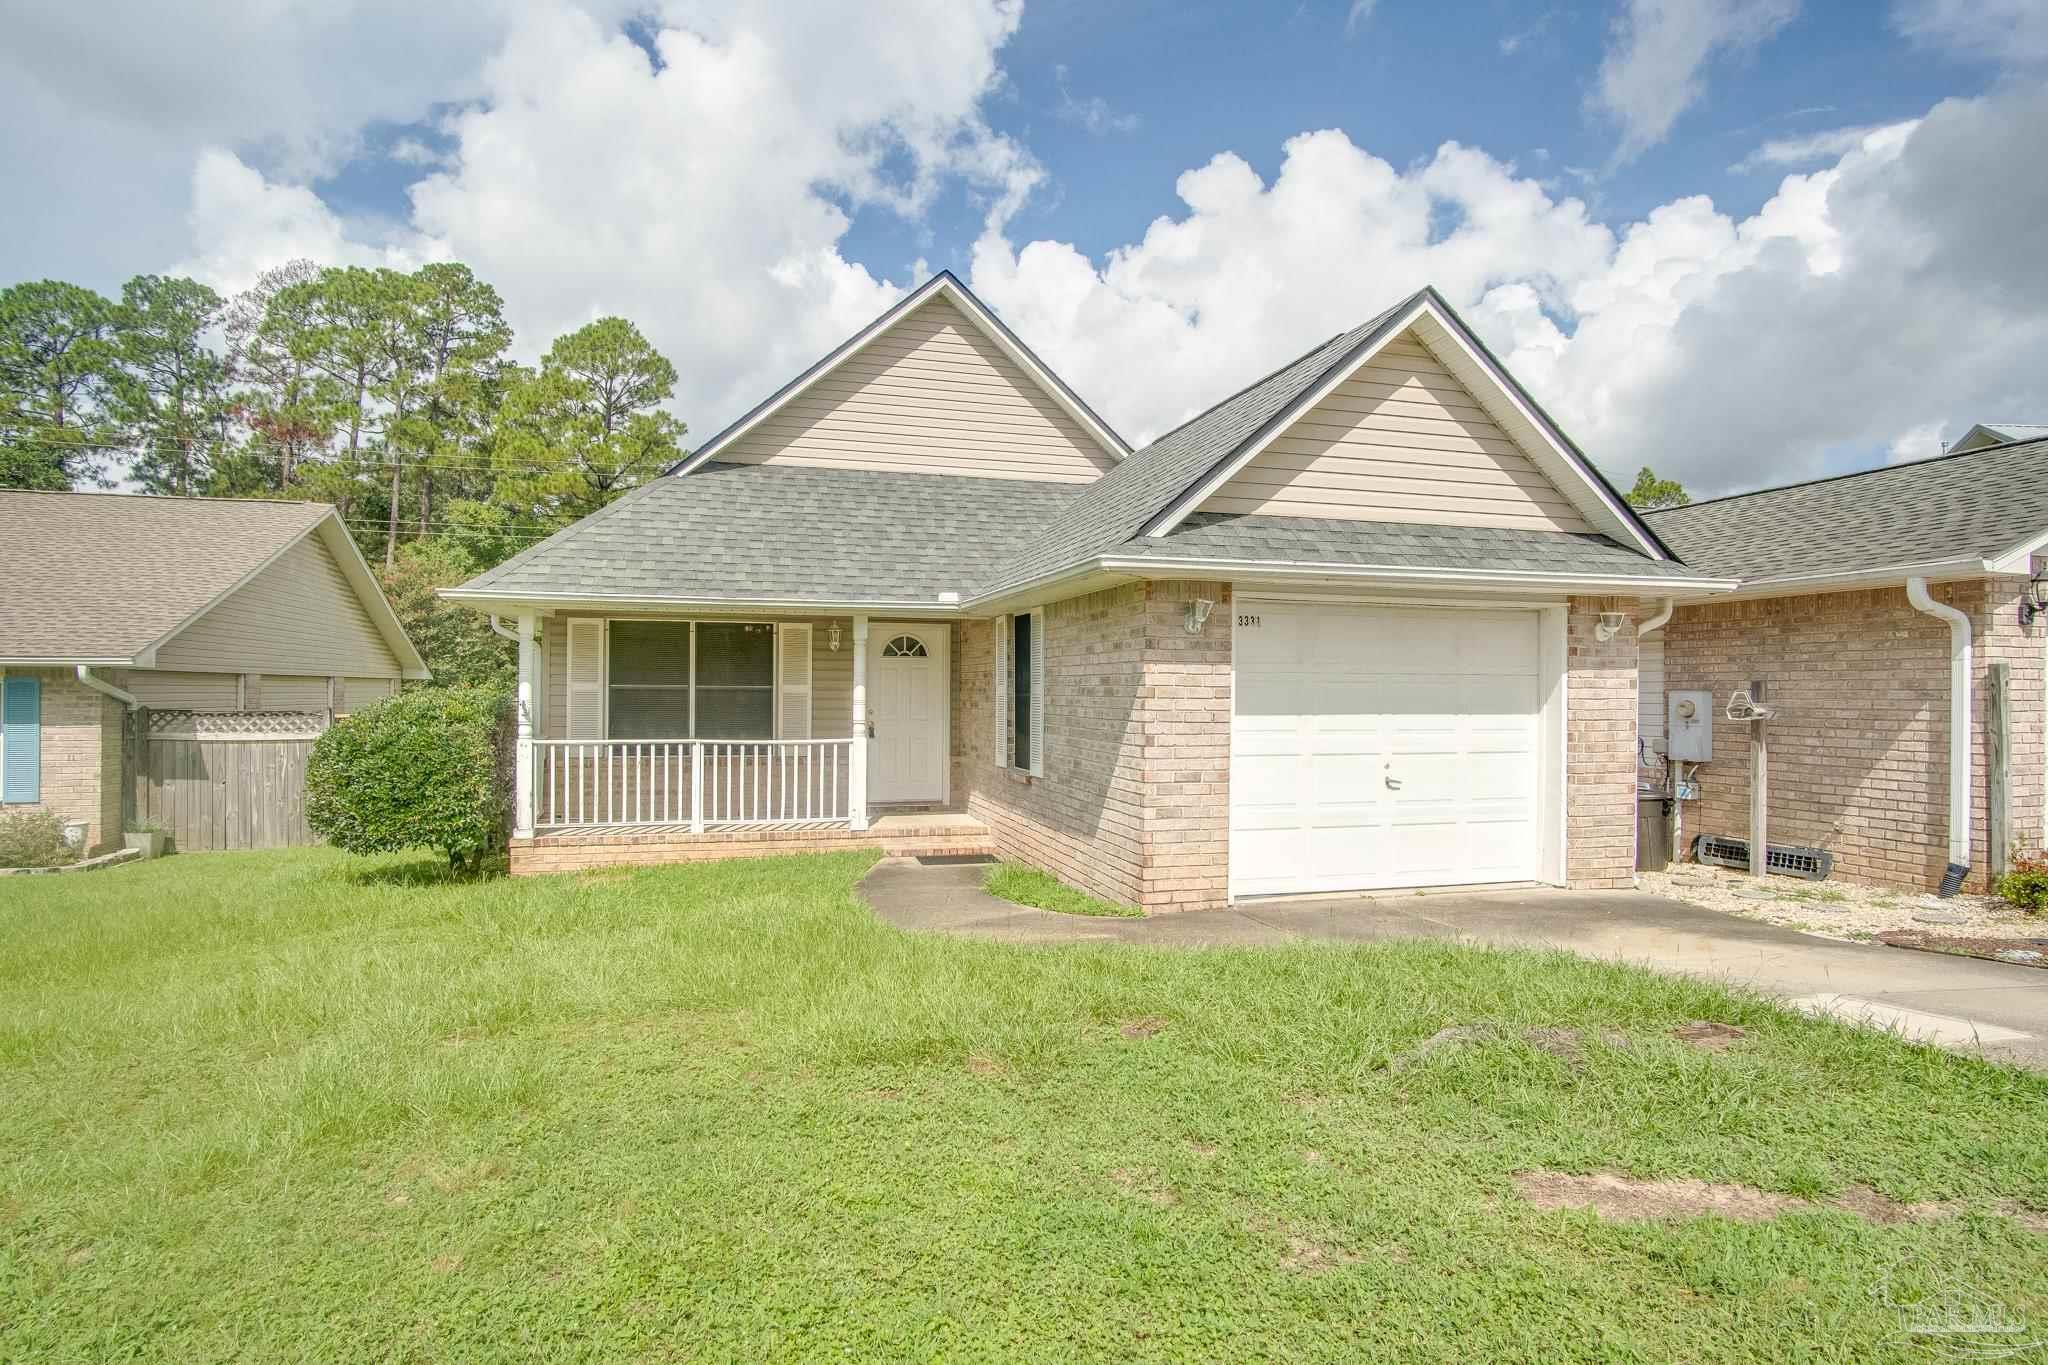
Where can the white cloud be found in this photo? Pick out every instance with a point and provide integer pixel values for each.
(1657, 55)
(2009, 32)
(1830, 144)
(699, 195)
(1854, 306)
(247, 225)
(1355, 18)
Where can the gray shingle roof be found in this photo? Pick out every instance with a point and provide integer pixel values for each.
(1975, 505)
(767, 532)
(1118, 504)
(1403, 545)
(789, 532)
(106, 575)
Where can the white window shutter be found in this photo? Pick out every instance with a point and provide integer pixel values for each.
(793, 674)
(1001, 650)
(1038, 693)
(586, 679)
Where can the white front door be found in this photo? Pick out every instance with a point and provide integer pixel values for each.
(1378, 747)
(908, 714)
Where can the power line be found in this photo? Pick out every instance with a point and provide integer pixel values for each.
(326, 461)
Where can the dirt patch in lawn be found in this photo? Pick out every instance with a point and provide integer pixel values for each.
(1145, 1185)
(1306, 1250)
(1624, 1199)
(2020, 952)
(1708, 1035)
(1142, 1028)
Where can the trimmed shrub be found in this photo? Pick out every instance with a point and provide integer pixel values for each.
(2026, 885)
(418, 770)
(34, 838)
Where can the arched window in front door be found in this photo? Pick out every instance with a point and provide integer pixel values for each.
(905, 647)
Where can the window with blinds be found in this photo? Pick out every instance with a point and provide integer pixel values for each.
(661, 685)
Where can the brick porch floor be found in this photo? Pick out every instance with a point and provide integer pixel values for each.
(926, 834)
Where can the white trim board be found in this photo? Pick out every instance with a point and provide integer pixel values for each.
(1445, 336)
(941, 285)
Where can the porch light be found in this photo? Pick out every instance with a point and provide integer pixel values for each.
(2034, 597)
(1610, 625)
(1198, 614)
(832, 638)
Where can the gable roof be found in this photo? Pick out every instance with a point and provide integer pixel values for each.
(1156, 489)
(108, 578)
(719, 532)
(1977, 511)
(942, 285)
(1997, 433)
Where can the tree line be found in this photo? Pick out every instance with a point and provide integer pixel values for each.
(389, 394)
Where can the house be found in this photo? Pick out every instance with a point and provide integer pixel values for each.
(125, 610)
(1988, 434)
(1891, 616)
(1365, 624)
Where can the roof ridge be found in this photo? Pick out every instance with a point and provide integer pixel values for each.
(1852, 474)
(164, 497)
(1234, 395)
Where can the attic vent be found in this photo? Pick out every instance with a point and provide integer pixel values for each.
(1721, 850)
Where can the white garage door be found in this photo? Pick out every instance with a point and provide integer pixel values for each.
(1382, 747)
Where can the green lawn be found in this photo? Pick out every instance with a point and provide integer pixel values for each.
(282, 1107)
(1021, 884)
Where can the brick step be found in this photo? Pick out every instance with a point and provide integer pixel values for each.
(899, 836)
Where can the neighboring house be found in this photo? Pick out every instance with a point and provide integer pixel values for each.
(1365, 624)
(1874, 608)
(119, 603)
(1997, 434)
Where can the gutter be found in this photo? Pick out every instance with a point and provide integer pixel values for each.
(101, 685)
(1958, 730)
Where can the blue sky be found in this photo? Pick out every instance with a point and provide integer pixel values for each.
(1740, 240)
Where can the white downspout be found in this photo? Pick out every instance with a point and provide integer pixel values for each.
(1657, 622)
(1958, 730)
(1672, 771)
(128, 699)
(500, 628)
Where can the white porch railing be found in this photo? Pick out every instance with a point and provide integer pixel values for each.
(702, 783)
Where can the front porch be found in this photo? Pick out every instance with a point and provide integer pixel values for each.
(645, 738)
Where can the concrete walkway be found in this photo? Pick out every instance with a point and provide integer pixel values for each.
(1986, 1008)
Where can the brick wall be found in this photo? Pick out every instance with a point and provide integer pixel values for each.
(1083, 820)
(1859, 753)
(1184, 705)
(81, 756)
(1600, 745)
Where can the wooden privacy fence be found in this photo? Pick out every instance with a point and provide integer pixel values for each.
(232, 780)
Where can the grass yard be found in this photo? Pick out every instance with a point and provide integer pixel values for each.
(1021, 884)
(292, 1106)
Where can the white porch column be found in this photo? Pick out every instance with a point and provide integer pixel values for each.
(857, 770)
(529, 693)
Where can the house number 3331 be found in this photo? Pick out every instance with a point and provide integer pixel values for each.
(1244, 620)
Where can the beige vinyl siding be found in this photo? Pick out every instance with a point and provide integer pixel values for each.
(831, 678)
(297, 616)
(357, 693)
(185, 691)
(1400, 440)
(931, 395)
(277, 693)
(1650, 695)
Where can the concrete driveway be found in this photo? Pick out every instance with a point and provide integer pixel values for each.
(1986, 1008)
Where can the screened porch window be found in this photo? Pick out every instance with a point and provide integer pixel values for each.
(660, 691)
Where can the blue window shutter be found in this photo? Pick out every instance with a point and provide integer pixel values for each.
(21, 712)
